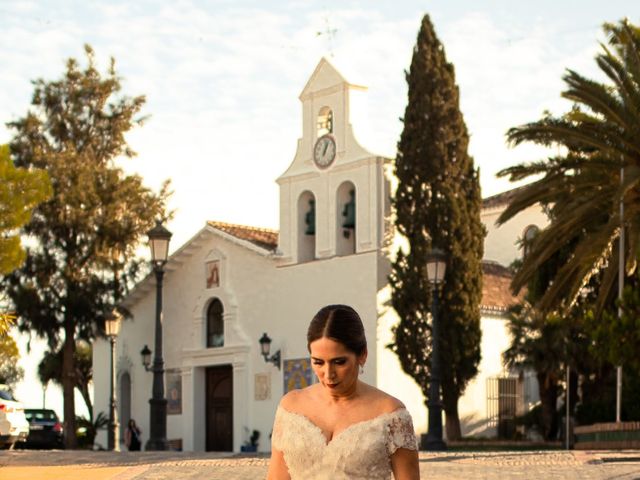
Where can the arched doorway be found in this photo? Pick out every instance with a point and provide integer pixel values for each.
(125, 403)
(219, 409)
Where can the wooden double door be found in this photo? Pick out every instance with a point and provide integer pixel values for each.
(219, 408)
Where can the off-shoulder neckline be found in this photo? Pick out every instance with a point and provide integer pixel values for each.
(349, 427)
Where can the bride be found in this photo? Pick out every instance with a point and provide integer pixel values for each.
(341, 428)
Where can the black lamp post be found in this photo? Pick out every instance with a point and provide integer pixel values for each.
(159, 241)
(112, 328)
(265, 348)
(436, 266)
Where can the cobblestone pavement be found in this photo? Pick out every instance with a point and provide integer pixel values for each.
(82, 465)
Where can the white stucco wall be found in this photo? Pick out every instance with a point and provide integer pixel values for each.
(472, 405)
(501, 243)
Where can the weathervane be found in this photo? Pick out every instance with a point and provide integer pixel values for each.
(330, 33)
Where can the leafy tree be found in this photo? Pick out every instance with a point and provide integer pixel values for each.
(84, 239)
(21, 190)
(599, 136)
(616, 338)
(547, 344)
(10, 372)
(50, 370)
(437, 204)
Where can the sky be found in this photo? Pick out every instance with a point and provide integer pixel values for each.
(222, 79)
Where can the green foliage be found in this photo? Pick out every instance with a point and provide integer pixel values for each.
(6, 321)
(83, 258)
(616, 339)
(50, 370)
(582, 186)
(599, 396)
(87, 429)
(21, 190)
(437, 204)
(546, 344)
(10, 372)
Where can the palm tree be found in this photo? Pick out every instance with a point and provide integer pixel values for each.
(50, 369)
(583, 187)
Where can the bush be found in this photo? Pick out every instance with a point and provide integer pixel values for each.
(86, 429)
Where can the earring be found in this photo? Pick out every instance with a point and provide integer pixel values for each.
(361, 369)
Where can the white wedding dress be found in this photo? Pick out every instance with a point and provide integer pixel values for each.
(361, 451)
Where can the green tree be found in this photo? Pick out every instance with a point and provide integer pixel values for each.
(547, 344)
(437, 204)
(50, 370)
(616, 338)
(83, 258)
(582, 185)
(20, 191)
(10, 372)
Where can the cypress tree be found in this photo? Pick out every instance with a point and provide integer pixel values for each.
(437, 204)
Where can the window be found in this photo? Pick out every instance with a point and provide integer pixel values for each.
(530, 234)
(502, 402)
(215, 324)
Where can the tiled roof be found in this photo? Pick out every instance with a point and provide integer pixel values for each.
(496, 288)
(501, 198)
(262, 237)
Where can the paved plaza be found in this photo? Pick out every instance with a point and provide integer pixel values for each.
(85, 465)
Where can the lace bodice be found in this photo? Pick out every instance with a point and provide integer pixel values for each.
(361, 451)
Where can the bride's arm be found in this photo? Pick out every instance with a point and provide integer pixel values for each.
(277, 466)
(404, 463)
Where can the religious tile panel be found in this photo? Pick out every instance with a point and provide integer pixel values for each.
(174, 392)
(297, 373)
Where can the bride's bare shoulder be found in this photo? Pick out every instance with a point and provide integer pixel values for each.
(295, 400)
(384, 402)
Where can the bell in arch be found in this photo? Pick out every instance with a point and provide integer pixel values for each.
(349, 212)
(310, 218)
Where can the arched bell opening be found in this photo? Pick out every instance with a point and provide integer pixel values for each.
(307, 227)
(346, 216)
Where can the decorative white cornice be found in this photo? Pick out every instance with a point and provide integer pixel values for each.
(233, 354)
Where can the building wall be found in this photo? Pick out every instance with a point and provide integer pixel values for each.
(502, 243)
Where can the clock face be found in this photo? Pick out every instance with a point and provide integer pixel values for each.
(324, 151)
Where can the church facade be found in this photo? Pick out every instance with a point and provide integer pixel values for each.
(229, 285)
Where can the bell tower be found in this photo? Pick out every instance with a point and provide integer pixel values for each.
(334, 196)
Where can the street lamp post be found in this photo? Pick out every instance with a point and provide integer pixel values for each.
(159, 242)
(112, 328)
(436, 266)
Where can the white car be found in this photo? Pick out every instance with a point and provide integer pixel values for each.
(14, 426)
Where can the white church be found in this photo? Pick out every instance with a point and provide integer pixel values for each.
(230, 284)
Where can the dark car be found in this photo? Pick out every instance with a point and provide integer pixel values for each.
(45, 429)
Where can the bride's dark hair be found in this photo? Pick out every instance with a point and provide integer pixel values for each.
(340, 323)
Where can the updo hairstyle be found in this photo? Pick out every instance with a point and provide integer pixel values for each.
(340, 323)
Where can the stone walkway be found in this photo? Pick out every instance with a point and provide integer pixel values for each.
(84, 465)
